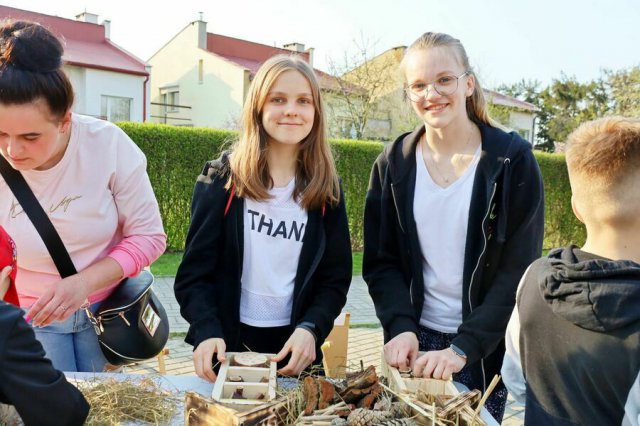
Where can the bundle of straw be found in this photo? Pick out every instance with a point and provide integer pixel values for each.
(116, 401)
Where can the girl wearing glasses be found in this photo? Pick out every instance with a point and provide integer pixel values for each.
(453, 216)
(267, 263)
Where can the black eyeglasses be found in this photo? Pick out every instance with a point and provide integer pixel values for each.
(445, 85)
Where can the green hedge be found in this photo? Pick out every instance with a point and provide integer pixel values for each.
(353, 161)
(561, 227)
(176, 155)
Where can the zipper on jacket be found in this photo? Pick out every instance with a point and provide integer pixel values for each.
(484, 248)
(393, 195)
(484, 376)
(411, 291)
(484, 242)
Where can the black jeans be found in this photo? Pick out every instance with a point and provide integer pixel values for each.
(263, 339)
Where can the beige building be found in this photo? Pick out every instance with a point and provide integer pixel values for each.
(201, 79)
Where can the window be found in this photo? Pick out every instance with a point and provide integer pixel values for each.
(115, 108)
(173, 99)
(200, 71)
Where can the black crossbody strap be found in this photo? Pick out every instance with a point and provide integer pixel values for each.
(39, 218)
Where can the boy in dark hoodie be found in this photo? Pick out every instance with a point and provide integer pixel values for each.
(575, 332)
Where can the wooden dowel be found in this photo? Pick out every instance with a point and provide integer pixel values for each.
(492, 385)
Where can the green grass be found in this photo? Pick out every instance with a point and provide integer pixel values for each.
(357, 263)
(167, 264)
(366, 325)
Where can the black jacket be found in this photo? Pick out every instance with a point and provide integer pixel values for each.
(579, 338)
(39, 392)
(208, 285)
(504, 235)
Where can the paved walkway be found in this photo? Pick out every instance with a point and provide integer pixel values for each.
(365, 338)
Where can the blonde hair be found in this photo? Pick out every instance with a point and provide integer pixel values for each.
(476, 103)
(603, 160)
(316, 176)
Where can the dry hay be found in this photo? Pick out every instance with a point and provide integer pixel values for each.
(116, 401)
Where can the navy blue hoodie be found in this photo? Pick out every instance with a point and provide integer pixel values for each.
(504, 235)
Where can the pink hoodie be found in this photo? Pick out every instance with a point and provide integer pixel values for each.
(100, 201)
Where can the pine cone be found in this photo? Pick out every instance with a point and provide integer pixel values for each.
(397, 422)
(364, 417)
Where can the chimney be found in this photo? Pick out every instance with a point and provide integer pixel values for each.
(310, 52)
(294, 47)
(85, 16)
(202, 32)
(107, 28)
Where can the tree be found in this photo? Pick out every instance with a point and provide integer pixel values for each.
(361, 80)
(564, 104)
(572, 103)
(624, 87)
(525, 90)
(528, 91)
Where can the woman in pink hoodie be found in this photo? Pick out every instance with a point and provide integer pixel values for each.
(90, 179)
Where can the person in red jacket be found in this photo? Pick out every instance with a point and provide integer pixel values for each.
(25, 374)
(8, 268)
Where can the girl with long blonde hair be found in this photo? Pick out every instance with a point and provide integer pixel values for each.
(267, 263)
(453, 217)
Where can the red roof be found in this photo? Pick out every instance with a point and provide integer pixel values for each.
(85, 43)
(247, 54)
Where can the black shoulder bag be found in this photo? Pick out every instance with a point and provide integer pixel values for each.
(131, 323)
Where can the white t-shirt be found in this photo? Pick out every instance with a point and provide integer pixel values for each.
(273, 235)
(441, 216)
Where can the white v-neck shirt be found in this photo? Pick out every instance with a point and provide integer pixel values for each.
(441, 216)
(273, 234)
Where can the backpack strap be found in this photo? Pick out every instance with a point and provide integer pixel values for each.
(233, 192)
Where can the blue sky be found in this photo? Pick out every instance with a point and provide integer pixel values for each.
(506, 40)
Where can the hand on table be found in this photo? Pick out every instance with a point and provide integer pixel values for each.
(302, 346)
(438, 364)
(203, 357)
(402, 350)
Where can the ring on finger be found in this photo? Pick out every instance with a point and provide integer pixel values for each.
(64, 308)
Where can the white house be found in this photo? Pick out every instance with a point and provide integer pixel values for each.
(108, 81)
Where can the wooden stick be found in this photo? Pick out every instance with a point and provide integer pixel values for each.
(318, 418)
(331, 408)
(492, 385)
(407, 401)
